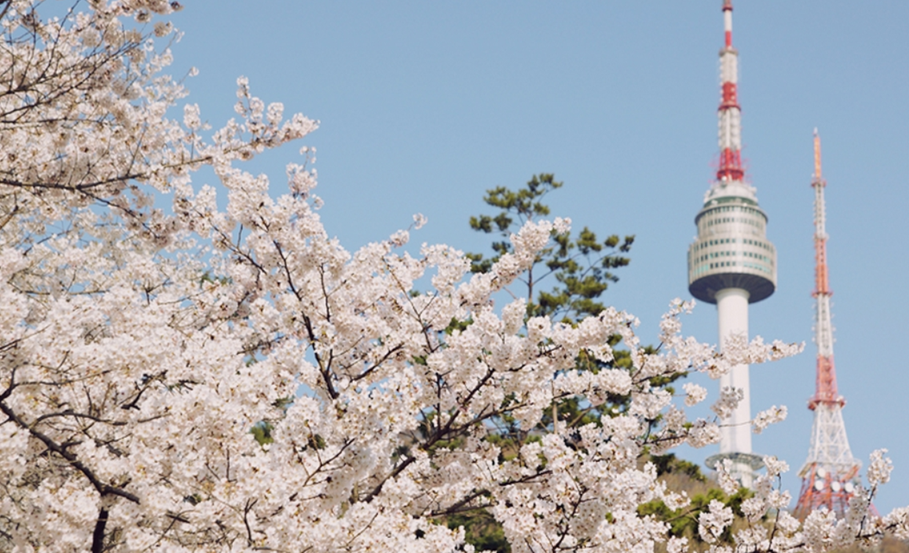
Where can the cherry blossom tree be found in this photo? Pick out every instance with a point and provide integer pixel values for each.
(140, 344)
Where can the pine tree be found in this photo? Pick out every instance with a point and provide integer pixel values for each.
(581, 265)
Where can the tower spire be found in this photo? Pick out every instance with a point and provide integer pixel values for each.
(830, 473)
(729, 113)
(826, 390)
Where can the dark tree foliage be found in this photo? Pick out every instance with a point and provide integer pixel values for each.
(581, 265)
(684, 476)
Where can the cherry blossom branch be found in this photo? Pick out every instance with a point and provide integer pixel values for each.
(101, 487)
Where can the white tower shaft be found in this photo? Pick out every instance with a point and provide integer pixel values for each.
(732, 311)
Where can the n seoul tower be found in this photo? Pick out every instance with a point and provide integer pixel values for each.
(731, 263)
(830, 474)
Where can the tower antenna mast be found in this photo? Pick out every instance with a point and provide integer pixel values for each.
(830, 474)
(729, 113)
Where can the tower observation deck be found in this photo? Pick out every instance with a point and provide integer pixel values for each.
(732, 263)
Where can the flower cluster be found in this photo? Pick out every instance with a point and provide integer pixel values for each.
(767, 417)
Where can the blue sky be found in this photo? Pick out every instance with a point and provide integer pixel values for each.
(425, 105)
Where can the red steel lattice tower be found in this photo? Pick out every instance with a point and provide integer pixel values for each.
(830, 475)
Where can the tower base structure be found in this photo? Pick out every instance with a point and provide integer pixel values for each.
(822, 488)
(831, 474)
(744, 465)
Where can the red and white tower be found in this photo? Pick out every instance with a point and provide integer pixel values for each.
(732, 263)
(830, 474)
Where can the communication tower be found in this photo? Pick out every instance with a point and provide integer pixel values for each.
(731, 263)
(830, 474)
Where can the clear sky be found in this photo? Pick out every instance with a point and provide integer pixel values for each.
(425, 105)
